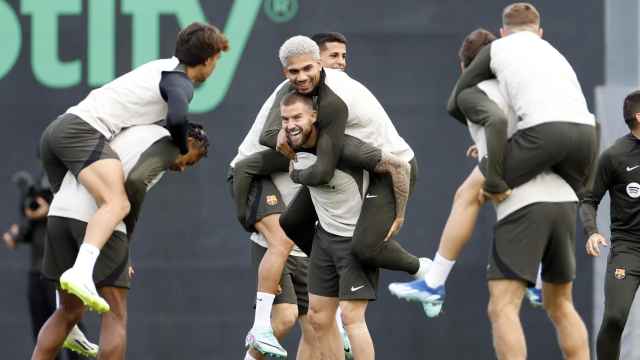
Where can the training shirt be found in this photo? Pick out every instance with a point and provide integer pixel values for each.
(536, 78)
(145, 95)
(138, 148)
(545, 187)
(251, 142)
(618, 172)
(339, 202)
(344, 106)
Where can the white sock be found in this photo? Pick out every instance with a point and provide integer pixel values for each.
(539, 278)
(248, 356)
(86, 259)
(439, 271)
(264, 302)
(339, 320)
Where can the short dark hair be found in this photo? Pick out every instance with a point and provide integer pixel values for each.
(322, 38)
(198, 42)
(630, 108)
(522, 14)
(473, 43)
(197, 132)
(294, 97)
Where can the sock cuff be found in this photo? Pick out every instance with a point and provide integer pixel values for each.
(443, 260)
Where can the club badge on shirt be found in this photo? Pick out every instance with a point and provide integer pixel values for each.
(272, 200)
(633, 190)
(620, 273)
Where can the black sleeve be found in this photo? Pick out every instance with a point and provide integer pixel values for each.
(592, 197)
(273, 123)
(177, 90)
(481, 110)
(262, 163)
(359, 154)
(155, 160)
(269, 135)
(332, 121)
(478, 71)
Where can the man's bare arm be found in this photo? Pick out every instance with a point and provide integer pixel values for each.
(400, 172)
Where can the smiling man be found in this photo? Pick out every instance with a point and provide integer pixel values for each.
(333, 49)
(336, 276)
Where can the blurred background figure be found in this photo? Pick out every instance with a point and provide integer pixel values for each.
(35, 196)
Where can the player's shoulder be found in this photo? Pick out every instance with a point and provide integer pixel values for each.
(139, 132)
(346, 88)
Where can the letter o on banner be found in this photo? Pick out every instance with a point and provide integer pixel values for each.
(11, 33)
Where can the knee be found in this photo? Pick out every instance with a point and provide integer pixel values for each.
(319, 320)
(498, 310)
(285, 320)
(350, 317)
(558, 309)
(120, 204)
(71, 314)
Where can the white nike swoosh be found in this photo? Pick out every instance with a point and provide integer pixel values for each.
(371, 196)
(357, 288)
(632, 168)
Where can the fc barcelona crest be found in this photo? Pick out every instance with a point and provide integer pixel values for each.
(272, 200)
(620, 274)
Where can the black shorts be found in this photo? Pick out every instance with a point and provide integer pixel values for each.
(293, 281)
(264, 199)
(335, 272)
(538, 233)
(568, 149)
(64, 237)
(71, 144)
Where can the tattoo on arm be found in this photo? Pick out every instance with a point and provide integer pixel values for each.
(400, 172)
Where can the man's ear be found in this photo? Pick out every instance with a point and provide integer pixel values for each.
(314, 116)
(637, 116)
(540, 32)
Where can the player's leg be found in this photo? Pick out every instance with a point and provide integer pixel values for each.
(457, 232)
(558, 272)
(460, 224)
(322, 312)
(376, 217)
(276, 255)
(324, 289)
(113, 326)
(620, 290)
(263, 336)
(570, 329)
(505, 299)
(358, 285)
(353, 316)
(308, 344)
(85, 152)
(568, 149)
(265, 205)
(55, 330)
(283, 319)
(299, 220)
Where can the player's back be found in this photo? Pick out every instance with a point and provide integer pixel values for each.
(367, 121)
(74, 201)
(539, 81)
(131, 99)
